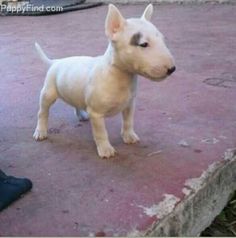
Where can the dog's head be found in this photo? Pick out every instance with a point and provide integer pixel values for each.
(139, 45)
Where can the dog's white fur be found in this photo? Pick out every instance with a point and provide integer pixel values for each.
(106, 85)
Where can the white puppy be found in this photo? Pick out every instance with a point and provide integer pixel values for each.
(106, 85)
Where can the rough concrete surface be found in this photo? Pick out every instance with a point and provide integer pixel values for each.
(174, 181)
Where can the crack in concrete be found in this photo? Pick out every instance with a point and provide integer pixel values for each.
(210, 141)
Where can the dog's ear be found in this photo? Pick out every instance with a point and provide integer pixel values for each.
(114, 22)
(147, 14)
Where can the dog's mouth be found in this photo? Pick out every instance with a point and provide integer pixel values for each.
(156, 73)
(153, 78)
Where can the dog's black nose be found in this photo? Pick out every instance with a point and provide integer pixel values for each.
(171, 70)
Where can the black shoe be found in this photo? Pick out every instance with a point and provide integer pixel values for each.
(12, 188)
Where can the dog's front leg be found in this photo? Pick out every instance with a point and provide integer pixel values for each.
(127, 131)
(104, 148)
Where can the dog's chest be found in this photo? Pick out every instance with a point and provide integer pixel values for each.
(116, 103)
(111, 100)
(119, 98)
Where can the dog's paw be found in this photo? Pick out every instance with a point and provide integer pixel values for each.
(40, 135)
(130, 137)
(106, 151)
(82, 115)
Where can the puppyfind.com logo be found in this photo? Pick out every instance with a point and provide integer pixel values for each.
(12, 9)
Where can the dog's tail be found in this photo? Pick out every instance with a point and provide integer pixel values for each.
(42, 55)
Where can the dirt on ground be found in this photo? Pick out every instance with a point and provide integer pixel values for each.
(225, 223)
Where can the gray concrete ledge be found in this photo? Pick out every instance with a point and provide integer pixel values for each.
(205, 198)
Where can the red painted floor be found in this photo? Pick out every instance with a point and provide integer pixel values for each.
(185, 123)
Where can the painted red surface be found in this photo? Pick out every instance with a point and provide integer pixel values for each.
(77, 194)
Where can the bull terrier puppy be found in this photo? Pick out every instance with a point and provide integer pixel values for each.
(105, 85)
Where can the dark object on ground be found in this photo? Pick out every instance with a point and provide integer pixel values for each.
(225, 223)
(12, 188)
(48, 7)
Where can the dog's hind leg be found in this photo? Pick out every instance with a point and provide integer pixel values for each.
(48, 96)
(81, 114)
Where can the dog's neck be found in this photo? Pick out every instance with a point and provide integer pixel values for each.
(113, 60)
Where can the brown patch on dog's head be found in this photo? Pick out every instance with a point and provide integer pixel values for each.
(135, 40)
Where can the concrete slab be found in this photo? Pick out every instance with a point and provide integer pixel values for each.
(174, 181)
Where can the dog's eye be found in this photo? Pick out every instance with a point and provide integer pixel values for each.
(144, 45)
